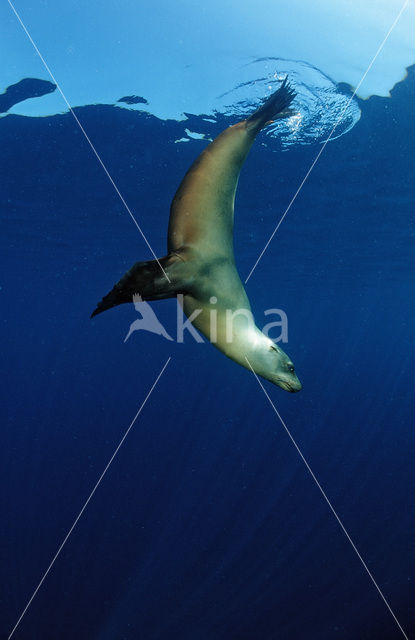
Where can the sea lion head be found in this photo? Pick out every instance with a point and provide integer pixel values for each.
(277, 367)
(266, 359)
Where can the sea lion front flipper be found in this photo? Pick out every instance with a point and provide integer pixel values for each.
(152, 280)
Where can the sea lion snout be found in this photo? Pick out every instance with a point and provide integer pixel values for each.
(292, 386)
(295, 386)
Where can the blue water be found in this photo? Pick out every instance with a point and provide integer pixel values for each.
(207, 525)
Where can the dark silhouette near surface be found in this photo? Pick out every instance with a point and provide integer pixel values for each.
(26, 88)
(133, 100)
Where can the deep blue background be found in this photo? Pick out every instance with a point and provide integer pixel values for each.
(207, 525)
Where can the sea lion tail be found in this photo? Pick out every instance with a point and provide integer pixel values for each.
(152, 280)
(276, 106)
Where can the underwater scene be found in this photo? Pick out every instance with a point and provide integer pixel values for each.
(227, 453)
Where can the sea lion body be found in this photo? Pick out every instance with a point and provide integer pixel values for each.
(202, 211)
(200, 263)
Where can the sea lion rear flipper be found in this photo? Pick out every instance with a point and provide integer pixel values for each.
(276, 106)
(152, 280)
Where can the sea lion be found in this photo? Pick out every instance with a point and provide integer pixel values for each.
(200, 264)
